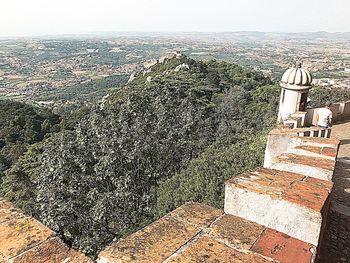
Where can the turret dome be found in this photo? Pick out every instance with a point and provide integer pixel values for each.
(297, 76)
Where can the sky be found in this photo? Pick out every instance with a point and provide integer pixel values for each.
(52, 17)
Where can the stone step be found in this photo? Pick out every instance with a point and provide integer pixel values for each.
(200, 233)
(315, 151)
(287, 202)
(316, 167)
(315, 141)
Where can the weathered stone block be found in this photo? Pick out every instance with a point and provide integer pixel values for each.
(277, 143)
(236, 231)
(21, 234)
(315, 151)
(158, 241)
(8, 211)
(206, 249)
(335, 108)
(315, 141)
(53, 250)
(196, 214)
(320, 168)
(288, 202)
(346, 110)
(310, 116)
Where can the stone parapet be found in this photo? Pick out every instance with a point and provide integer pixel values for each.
(161, 239)
(199, 233)
(271, 215)
(340, 112)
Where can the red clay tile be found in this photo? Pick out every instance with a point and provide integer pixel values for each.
(282, 247)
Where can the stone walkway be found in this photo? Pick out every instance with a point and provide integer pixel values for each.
(342, 132)
(336, 243)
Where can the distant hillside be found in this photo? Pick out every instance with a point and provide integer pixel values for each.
(182, 124)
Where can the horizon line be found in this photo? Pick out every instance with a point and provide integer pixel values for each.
(104, 33)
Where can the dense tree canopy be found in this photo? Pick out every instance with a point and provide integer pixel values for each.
(20, 126)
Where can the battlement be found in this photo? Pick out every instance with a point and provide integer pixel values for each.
(279, 213)
(199, 233)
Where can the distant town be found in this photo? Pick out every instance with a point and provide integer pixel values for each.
(68, 70)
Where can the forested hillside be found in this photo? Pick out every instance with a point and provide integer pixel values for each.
(172, 135)
(21, 125)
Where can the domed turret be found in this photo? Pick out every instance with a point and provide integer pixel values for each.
(296, 76)
(295, 84)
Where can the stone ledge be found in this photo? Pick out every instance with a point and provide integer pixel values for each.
(325, 152)
(199, 215)
(304, 160)
(26, 240)
(236, 232)
(206, 235)
(319, 141)
(283, 248)
(8, 211)
(320, 168)
(20, 234)
(207, 249)
(159, 240)
(292, 187)
(53, 250)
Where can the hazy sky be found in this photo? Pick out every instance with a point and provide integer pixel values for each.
(38, 17)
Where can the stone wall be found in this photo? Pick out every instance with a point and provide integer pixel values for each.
(341, 111)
